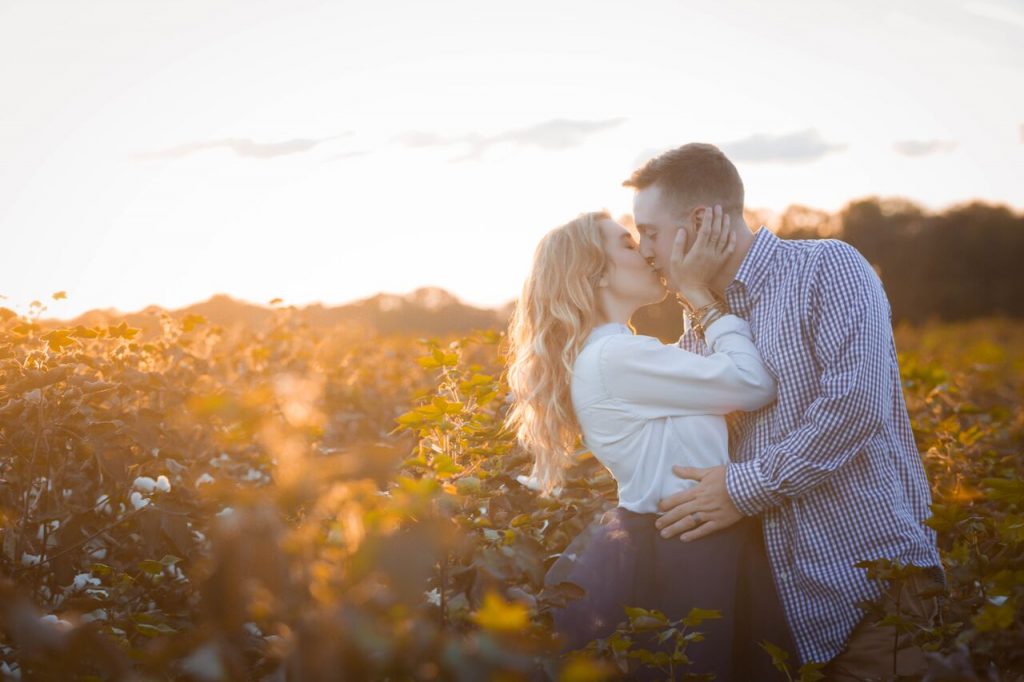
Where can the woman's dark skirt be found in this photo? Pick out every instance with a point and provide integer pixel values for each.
(621, 560)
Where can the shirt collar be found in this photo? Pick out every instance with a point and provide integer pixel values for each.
(757, 262)
(607, 330)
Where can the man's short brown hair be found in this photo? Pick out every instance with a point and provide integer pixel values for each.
(693, 175)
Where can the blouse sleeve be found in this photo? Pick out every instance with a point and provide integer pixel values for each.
(660, 380)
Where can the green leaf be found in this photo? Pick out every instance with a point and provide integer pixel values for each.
(636, 612)
(697, 616)
(666, 635)
(811, 672)
(169, 560)
(154, 630)
(467, 485)
(992, 617)
(778, 654)
(152, 567)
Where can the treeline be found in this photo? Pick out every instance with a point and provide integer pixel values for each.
(958, 264)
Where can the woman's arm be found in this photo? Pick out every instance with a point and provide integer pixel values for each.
(658, 380)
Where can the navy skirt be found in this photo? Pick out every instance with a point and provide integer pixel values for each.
(621, 560)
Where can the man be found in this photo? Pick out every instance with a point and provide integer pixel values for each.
(831, 466)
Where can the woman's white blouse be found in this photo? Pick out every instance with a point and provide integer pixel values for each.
(644, 406)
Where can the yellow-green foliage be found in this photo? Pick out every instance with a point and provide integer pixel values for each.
(227, 504)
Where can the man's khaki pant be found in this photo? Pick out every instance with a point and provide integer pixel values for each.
(868, 656)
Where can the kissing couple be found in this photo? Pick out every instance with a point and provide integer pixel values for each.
(757, 460)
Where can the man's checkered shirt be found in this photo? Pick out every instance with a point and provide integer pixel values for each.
(831, 466)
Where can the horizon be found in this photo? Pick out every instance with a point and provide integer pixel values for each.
(269, 305)
(325, 152)
(58, 298)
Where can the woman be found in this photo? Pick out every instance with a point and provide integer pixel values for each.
(641, 407)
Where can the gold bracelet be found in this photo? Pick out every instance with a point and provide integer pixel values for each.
(707, 315)
(697, 322)
(713, 316)
(719, 307)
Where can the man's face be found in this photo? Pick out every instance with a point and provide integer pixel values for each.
(657, 220)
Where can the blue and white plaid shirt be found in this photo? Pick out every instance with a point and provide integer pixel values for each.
(831, 466)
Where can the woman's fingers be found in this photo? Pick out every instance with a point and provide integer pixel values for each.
(716, 227)
(678, 247)
(726, 233)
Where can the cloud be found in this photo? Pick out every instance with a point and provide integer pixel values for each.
(348, 155)
(804, 146)
(915, 148)
(1002, 14)
(554, 135)
(243, 147)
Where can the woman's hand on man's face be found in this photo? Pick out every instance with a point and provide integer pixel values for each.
(693, 270)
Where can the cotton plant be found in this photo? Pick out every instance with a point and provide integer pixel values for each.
(82, 581)
(148, 485)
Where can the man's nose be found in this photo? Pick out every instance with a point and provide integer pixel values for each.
(646, 251)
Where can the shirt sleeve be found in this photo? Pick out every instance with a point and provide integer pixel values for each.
(851, 332)
(659, 380)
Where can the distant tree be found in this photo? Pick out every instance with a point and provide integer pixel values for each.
(957, 264)
(804, 222)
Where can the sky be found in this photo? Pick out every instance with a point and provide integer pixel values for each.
(164, 152)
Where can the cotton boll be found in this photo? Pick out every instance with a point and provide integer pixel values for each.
(59, 622)
(98, 614)
(138, 501)
(29, 559)
(204, 479)
(144, 483)
(220, 460)
(204, 664)
(81, 581)
(163, 484)
(54, 525)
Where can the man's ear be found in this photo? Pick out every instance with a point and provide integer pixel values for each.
(696, 218)
(603, 282)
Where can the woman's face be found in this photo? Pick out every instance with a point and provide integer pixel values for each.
(630, 278)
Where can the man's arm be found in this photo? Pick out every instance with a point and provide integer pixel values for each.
(852, 333)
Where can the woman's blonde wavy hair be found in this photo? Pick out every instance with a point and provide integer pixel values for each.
(553, 317)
